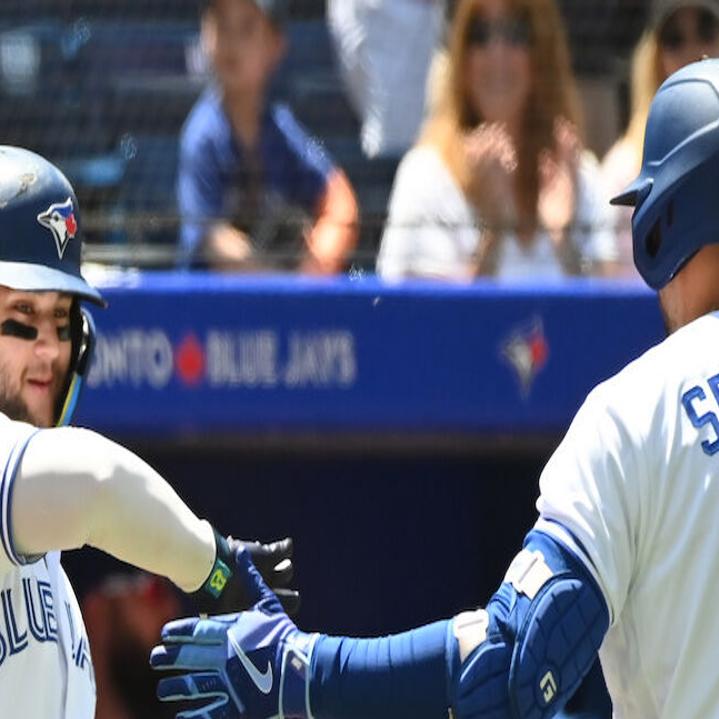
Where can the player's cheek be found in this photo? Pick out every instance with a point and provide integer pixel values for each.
(64, 358)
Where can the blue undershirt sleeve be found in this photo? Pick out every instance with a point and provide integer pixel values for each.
(524, 656)
(404, 675)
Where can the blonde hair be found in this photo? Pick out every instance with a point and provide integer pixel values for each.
(646, 77)
(553, 96)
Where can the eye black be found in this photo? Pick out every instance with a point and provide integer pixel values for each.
(13, 328)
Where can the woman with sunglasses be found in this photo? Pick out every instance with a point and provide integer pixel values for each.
(499, 183)
(679, 32)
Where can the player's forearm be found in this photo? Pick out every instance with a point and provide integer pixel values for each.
(74, 487)
(400, 676)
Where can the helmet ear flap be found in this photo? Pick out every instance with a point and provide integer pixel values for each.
(82, 337)
(85, 339)
(653, 240)
(655, 236)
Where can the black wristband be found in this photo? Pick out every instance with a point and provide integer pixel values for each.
(226, 589)
(220, 574)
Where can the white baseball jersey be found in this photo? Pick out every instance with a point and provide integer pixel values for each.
(45, 665)
(633, 490)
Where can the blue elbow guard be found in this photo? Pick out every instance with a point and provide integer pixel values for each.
(526, 654)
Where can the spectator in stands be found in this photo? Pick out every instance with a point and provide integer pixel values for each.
(386, 79)
(254, 190)
(679, 32)
(499, 183)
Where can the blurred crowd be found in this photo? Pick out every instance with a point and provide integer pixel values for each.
(486, 137)
(477, 102)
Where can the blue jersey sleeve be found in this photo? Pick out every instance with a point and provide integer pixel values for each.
(296, 161)
(199, 184)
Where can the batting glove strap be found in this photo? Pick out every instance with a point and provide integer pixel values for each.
(294, 698)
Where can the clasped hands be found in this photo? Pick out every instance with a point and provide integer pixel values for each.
(248, 665)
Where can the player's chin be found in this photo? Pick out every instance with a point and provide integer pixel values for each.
(39, 401)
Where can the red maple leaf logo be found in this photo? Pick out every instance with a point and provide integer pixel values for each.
(190, 360)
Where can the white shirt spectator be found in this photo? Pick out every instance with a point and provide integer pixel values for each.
(433, 231)
(385, 48)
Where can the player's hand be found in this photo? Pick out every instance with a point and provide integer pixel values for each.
(272, 560)
(274, 563)
(238, 666)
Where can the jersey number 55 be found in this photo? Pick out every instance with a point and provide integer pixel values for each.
(696, 395)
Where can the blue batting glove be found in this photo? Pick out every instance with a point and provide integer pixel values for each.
(251, 665)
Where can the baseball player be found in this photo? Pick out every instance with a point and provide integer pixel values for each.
(623, 558)
(63, 487)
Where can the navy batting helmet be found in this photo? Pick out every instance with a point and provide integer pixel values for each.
(40, 248)
(39, 227)
(675, 196)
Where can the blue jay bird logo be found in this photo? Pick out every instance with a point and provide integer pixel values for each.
(59, 218)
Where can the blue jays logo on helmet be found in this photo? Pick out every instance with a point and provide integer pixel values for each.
(41, 238)
(59, 218)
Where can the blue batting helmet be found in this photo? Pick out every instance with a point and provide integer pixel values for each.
(675, 196)
(40, 248)
(40, 241)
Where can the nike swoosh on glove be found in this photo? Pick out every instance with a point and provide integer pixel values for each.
(251, 665)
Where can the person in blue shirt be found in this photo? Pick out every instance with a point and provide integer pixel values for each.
(255, 191)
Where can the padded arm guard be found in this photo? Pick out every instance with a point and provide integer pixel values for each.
(526, 654)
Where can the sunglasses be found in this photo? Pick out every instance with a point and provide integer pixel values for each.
(514, 32)
(706, 32)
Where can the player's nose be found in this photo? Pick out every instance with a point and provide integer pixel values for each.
(47, 344)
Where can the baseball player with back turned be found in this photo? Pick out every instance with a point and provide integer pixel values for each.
(624, 557)
(64, 487)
